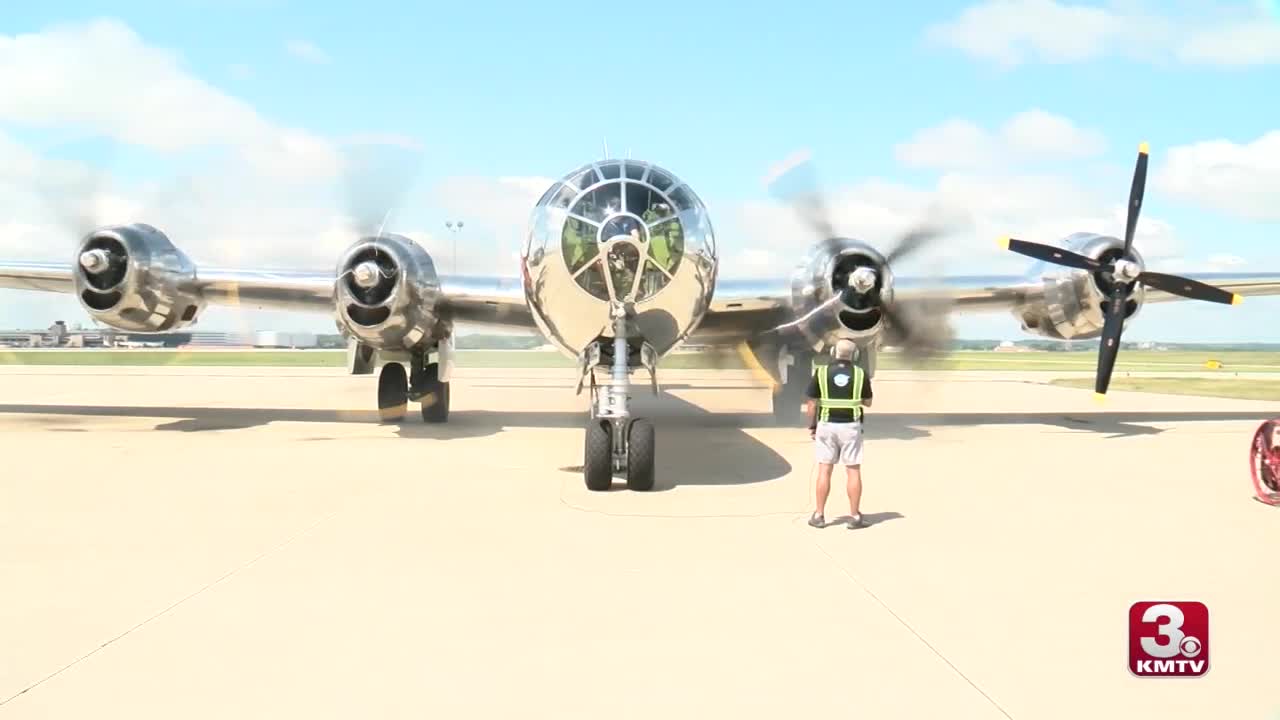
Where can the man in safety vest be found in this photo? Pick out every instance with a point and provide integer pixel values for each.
(838, 393)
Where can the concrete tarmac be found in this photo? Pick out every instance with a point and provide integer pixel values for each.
(251, 543)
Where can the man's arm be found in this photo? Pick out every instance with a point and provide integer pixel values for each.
(811, 406)
(866, 391)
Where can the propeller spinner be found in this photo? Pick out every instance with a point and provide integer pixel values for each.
(1123, 273)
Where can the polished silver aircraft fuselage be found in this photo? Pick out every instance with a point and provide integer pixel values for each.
(624, 232)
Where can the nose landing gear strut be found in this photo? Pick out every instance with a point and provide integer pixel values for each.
(617, 442)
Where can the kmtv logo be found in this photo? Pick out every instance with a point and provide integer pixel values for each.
(1168, 639)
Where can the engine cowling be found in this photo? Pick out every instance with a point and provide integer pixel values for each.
(387, 294)
(131, 277)
(1073, 303)
(827, 299)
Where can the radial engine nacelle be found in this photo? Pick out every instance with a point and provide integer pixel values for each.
(387, 294)
(131, 277)
(1072, 303)
(838, 291)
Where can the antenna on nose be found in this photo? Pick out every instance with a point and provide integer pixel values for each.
(606, 148)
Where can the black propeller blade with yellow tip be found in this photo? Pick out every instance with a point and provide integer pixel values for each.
(1125, 272)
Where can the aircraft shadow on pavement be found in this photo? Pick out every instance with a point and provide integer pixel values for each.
(908, 426)
(666, 410)
(695, 446)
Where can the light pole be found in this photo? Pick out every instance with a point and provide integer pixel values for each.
(455, 227)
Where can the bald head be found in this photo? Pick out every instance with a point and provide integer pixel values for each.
(845, 349)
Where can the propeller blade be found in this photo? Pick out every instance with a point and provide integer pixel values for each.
(376, 177)
(1112, 326)
(74, 195)
(913, 240)
(795, 182)
(920, 328)
(1135, 197)
(1188, 288)
(1051, 254)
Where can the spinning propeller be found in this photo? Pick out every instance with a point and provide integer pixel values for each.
(919, 326)
(81, 200)
(376, 177)
(1119, 275)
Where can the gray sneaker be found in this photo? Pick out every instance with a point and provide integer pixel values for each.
(856, 522)
(816, 520)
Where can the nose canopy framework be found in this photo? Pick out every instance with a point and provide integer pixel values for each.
(624, 238)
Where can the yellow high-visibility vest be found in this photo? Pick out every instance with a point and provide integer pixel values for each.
(826, 403)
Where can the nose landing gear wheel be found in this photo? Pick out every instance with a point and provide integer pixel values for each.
(597, 465)
(640, 454)
(393, 393)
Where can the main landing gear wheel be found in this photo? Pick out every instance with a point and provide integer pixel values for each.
(393, 393)
(435, 397)
(640, 454)
(597, 463)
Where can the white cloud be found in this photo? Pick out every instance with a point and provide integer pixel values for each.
(1028, 137)
(273, 196)
(953, 144)
(493, 207)
(1005, 31)
(1040, 134)
(101, 77)
(986, 191)
(1011, 32)
(1234, 44)
(1239, 179)
(307, 52)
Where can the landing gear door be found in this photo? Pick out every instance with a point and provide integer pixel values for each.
(446, 359)
(361, 358)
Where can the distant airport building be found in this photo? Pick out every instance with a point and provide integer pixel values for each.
(216, 339)
(1010, 346)
(275, 339)
(58, 335)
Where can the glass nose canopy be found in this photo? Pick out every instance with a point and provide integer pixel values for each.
(623, 239)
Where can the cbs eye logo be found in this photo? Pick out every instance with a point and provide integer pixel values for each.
(1168, 639)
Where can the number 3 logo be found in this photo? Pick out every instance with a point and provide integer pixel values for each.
(1171, 630)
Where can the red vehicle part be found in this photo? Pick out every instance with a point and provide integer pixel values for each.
(1264, 464)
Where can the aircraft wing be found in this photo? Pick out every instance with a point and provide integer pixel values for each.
(740, 309)
(472, 299)
(743, 309)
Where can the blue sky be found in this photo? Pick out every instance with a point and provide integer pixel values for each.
(718, 92)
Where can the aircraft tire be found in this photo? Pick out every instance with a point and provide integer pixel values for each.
(393, 393)
(435, 403)
(641, 449)
(597, 463)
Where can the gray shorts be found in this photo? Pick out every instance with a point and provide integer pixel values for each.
(839, 443)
